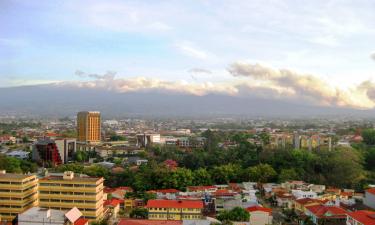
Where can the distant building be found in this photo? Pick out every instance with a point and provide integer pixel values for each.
(15, 187)
(144, 140)
(361, 217)
(65, 191)
(46, 151)
(42, 216)
(330, 215)
(67, 147)
(19, 154)
(89, 127)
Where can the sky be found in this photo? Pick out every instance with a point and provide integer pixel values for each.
(319, 51)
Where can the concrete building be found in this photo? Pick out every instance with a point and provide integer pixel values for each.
(19, 154)
(66, 191)
(42, 216)
(45, 152)
(360, 217)
(66, 147)
(174, 209)
(89, 127)
(369, 199)
(144, 140)
(18, 193)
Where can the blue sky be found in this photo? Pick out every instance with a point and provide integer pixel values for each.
(45, 41)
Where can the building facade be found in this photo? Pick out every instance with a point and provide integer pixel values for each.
(89, 127)
(68, 191)
(174, 210)
(18, 193)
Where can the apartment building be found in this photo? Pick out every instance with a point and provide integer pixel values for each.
(18, 193)
(68, 191)
(174, 210)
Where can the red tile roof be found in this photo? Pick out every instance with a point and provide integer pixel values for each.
(174, 204)
(200, 188)
(81, 221)
(322, 211)
(304, 201)
(259, 208)
(149, 222)
(363, 216)
(113, 202)
(371, 191)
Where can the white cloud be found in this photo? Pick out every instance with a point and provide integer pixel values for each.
(188, 49)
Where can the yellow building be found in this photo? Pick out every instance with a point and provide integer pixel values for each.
(18, 193)
(88, 127)
(174, 209)
(67, 191)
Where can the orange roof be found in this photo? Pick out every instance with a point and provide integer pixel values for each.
(81, 221)
(371, 191)
(165, 191)
(322, 211)
(259, 208)
(149, 222)
(200, 188)
(174, 204)
(113, 202)
(304, 201)
(363, 216)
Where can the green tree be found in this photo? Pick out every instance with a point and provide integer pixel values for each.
(288, 174)
(237, 214)
(80, 156)
(201, 177)
(368, 136)
(96, 171)
(225, 173)
(262, 173)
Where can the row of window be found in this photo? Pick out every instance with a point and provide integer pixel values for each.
(67, 201)
(68, 185)
(80, 209)
(18, 199)
(17, 183)
(67, 193)
(175, 209)
(172, 216)
(17, 206)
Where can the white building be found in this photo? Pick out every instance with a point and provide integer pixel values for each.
(304, 194)
(19, 154)
(42, 216)
(369, 199)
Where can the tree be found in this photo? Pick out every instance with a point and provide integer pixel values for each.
(288, 174)
(261, 173)
(368, 136)
(96, 171)
(139, 213)
(80, 156)
(225, 173)
(201, 177)
(237, 214)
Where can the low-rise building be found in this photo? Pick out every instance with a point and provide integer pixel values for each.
(260, 215)
(43, 216)
(369, 199)
(174, 209)
(361, 217)
(328, 215)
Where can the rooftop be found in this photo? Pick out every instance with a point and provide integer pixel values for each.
(174, 204)
(322, 211)
(149, 222)
(363, 216)
(75, 178)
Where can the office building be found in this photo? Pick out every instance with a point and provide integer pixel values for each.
(18, 193)
(89, 127)
(65, 191)
(46, 153)
(66, 148)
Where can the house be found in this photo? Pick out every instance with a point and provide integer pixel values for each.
(369, 199)
(300, 204)
(328, 215)
(260, 215)
(19, 154)
(304, 194)
(361, 217)
(166, 193)
(174, 209)
(113, 205)
(284, 200)
(226, 200)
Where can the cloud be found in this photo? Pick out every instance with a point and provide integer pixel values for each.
(107, 76)
(372, 56)
(249, 80)
(190, 50)
(306, 86)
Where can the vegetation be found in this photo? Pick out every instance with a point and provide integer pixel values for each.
(237, 214)
(139, 213)
(14, 165)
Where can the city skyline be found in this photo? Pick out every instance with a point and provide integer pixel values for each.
(318, 52)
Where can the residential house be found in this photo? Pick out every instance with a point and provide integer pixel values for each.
(301, 204)
(284, 200)
(361, 217)
(260, 215)
(328, 215)
(304, 194)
